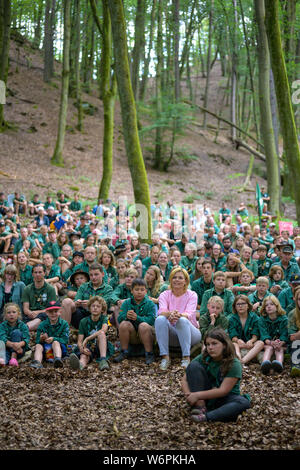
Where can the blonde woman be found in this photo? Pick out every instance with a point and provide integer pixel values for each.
(176, 323)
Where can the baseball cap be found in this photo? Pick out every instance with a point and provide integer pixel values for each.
(53, 305)
(78, 253)
(72, 278)
(2, 224)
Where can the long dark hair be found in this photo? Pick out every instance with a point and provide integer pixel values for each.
(228, 351)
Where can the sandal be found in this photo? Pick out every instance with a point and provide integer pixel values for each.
(198, 410)
(199, 418)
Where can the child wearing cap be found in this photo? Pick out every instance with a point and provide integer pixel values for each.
(52, 336)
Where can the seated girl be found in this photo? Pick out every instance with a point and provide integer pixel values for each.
(14, 336)
(273, 328)
(277, 282)
(243, 330)
(211, 384)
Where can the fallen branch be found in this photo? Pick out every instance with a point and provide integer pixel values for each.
(241, 143)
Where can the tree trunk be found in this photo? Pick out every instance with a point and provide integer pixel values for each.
(286, 115)
(37, 28)
(48, 40)
(176, 7)
(208, 68)
(77, 67)
(139, 44)
(5, 20)
(265, 109)
(143, 85)
(158, 83)
(108, 90)
(131, 137)
(57, 158)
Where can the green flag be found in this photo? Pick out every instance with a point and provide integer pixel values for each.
(259, 199)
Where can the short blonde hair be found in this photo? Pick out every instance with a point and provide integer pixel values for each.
(262, 280)
(12, 304)
(176, 270)
(215, 299)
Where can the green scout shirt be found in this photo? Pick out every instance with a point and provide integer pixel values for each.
(206, 326)
(86, 291)
(253, 267)
(254, 299)
(168, 270)
(282, 284)
(235, 327)
(273, 329)
(86, 268)
(286, 299)
(19, 245)
(181, 247)
(38, 298)
(54, 272)
(188, 264)
(213, 369)
(121, 292)
(52, 248)
(199, 286)
(87, 327)
(59, 331)
(219, 264)
(264, 266)
(145, 311)
(111, 273)
(6, 331)
(75, 206)
(292, 268)
(292, 325)
(226, 295)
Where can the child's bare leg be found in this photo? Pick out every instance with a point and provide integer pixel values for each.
(67, 308)
(268, 353)
(84, 360)
(146, 336)
(56, 349)
(258, 346)
(102, 344)
(38, 353)
(124, 332)
(33, 324)
(237, 351)
(279, 355)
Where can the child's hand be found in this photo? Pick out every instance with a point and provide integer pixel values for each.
(241, 343)
(212, 318)
(131, 315)
(250, 344)
(192, 398)
(43, 337)
(256, 306)
(49, 340)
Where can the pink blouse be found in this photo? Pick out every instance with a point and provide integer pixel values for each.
(186, 303)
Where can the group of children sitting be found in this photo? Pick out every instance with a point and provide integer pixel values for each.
(245, 278)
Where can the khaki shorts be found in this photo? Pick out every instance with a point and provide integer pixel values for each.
(135, 339)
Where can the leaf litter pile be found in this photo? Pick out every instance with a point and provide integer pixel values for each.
(136, 407)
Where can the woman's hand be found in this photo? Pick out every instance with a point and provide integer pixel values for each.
(192, 397)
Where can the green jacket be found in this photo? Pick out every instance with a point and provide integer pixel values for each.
(121, 292)
(292, 325)
(286, 299)
(188, 264)
(226, 295)
(205, 324)
(276, 329)
(235, 328)
(199, 286)
(52, 248)
(292, 268)
(86, 291)
(60, 331)
(145, 311)
(264, 266)
(6, 331)
(26, 275)
(254, 299)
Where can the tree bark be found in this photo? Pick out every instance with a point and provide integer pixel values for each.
(57, 158)
(48, 40)
(131, 137)
(265, 109)
(286, 115)
(5, 21)
(139, 44)
(208, 61)
(143, 85)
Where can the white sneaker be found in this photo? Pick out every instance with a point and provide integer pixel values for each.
(185, 363)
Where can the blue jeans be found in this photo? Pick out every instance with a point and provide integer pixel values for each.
(226, 408)
(182, 334)
(16, 337)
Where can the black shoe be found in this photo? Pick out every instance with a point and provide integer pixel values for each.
(36, 364)
(123, 355)
(266, 367)
(58, 362)
(277, 366)
(149, 358)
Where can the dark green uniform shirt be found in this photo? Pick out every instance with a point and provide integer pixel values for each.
(52, 248)
(226, 295)
(273, 329)
(59, 331)
(38, 298)
(145, 311)
(235, 327)
(199, 286)
(86, 291)
(206, 326)
(6, 331)
(26, 275)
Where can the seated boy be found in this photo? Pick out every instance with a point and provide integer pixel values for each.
(257, 297)
(136, 320)
(52, 334)
(245, 285)
(92, 341)
(219, 281)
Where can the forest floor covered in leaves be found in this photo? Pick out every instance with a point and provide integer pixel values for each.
(136, 407)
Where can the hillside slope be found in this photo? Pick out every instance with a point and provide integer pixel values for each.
(26, 152)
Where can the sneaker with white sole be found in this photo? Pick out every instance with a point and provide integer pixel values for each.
(185, 363)
(74, 361)
(164, 365)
